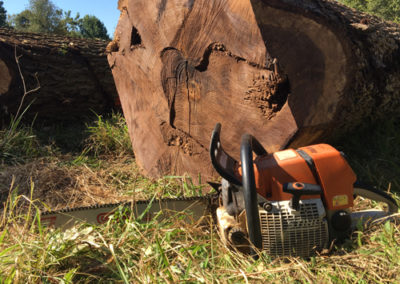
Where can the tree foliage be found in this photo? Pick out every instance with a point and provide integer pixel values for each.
(42, 16)
(3, 15)
(386, 9)
(92, 27)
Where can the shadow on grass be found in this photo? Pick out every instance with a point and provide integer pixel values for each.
(373, 151)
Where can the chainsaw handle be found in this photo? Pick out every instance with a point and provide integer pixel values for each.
(222, 162)
(250, 192)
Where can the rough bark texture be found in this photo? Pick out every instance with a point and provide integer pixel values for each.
(289, 72)
(73, 74)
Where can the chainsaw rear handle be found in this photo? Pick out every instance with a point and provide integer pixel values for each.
(250, 192)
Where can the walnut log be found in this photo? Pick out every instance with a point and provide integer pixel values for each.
(74, 76)
(289, 72)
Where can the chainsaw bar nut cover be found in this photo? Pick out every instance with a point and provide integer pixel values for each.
(341, 221)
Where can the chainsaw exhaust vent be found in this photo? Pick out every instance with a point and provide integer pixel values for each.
(287, 232)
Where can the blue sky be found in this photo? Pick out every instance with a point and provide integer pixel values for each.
(105, 10)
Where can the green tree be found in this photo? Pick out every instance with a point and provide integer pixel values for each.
(386, 9)
(92, 27)
(21, 21)
(3, 15)
(42, 16)
(70, 25)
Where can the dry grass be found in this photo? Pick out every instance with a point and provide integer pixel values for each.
(171, 250)
(61, 186)
(165, 250)
(60, 183)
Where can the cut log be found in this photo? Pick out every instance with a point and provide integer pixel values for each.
(289, 72)
(74, 76)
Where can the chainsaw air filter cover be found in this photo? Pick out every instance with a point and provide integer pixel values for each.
(291, 232)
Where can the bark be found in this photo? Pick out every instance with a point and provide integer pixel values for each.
(289, 72)
(74, 76)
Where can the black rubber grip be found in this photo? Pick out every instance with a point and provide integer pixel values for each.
(250, 193)
(216, 152)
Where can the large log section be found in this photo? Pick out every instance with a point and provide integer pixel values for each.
(289, 72)
(73, 73)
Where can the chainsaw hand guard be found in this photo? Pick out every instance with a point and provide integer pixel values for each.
(223, 163)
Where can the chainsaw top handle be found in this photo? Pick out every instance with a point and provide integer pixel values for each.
(249, 190)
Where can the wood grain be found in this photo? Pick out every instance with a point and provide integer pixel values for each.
(288, 72)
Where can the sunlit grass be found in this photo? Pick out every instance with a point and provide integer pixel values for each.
(168, 250)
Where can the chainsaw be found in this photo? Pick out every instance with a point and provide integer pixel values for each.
(287, 203)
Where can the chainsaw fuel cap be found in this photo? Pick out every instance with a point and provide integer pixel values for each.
(298, 185)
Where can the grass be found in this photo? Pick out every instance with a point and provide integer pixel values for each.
(17, 143)
(165, 250)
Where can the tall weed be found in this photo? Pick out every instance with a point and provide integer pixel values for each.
(18, 142)
(109, 136)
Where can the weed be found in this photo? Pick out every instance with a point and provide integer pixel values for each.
(17, 142)
(167, 250)
(171, 250)
(109, 136)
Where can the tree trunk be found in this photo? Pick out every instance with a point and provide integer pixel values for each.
(74, 76)
(289, 72)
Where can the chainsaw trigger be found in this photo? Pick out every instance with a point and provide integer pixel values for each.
(297, 189)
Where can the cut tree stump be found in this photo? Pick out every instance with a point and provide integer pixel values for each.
(289, 72)
(74, 76)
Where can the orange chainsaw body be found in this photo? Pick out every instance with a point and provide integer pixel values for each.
(328, 169)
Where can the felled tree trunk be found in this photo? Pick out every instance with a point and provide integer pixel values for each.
(289, 72)
(74, 76)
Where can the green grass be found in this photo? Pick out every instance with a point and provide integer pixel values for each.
(17, 142)
(170, 250)
(167, 250)
(109, 136)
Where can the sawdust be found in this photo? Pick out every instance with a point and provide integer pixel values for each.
(59, 185)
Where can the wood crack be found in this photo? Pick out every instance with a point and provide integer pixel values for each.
(220, 47)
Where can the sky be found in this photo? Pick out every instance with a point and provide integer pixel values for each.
(105, 10)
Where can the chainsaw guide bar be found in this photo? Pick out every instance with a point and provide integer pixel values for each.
(196, 207)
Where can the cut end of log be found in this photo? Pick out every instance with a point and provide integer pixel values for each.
(282, 71)
(5, 78)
